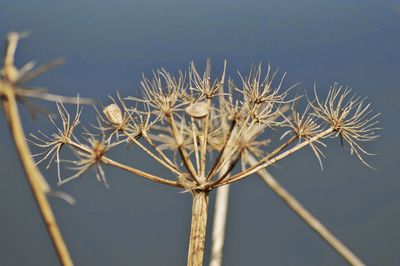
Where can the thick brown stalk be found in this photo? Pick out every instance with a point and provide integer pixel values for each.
(37, 183)
(198, 228)
(307, 217)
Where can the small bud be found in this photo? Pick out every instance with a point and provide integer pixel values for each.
(113, 114)
(197, 110)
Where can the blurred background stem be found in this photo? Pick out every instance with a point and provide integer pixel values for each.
(36, 181)
(307, 217)
(219, 224)
(221, 209)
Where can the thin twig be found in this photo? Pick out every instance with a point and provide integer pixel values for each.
(160, 152)
(43, 95)
(218, 161)
(155, 157)
(195, 146)
(130, 169)
(138, 172)
(263, 165)
(204, 140)
(307, 217)
(185, 157)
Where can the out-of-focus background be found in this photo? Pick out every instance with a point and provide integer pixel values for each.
(108, 44)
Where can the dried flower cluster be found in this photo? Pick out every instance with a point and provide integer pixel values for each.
(210, 126)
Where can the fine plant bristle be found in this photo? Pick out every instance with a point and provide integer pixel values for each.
(54, 142)
(350, 116)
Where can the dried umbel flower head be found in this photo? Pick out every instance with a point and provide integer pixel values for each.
(202, 83)
(53, 143)
(200, 131)
(350, 117)
(162, 93)
(120, 122)
(304, 126)
(88, 156)
(199, 117)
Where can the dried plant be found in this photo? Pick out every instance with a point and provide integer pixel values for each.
(200, 128)
(12, 90)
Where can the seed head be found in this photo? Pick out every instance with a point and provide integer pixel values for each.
(53, 143)
(197, 110)
(162, 92)
(202, 83)
(113, 114)
(350, 117)
(197, 118)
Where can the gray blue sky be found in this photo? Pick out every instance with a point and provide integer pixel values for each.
(108, 44)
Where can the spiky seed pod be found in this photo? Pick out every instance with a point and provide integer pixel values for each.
(197, 110)
(113, 114)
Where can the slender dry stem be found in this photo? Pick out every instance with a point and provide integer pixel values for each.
(127, 168)
(203, 148)
(182, 150)
(219, 224)
(307, 217)
(261, 165)
(138, 172)
(161, 160)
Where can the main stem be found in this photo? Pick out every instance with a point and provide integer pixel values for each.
(198, 228)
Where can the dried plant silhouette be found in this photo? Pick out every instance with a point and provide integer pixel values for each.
(206, 132)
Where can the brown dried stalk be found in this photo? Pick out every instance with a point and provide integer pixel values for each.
(38, 185)
(10, 92)
(307, 217)
(220, 215)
